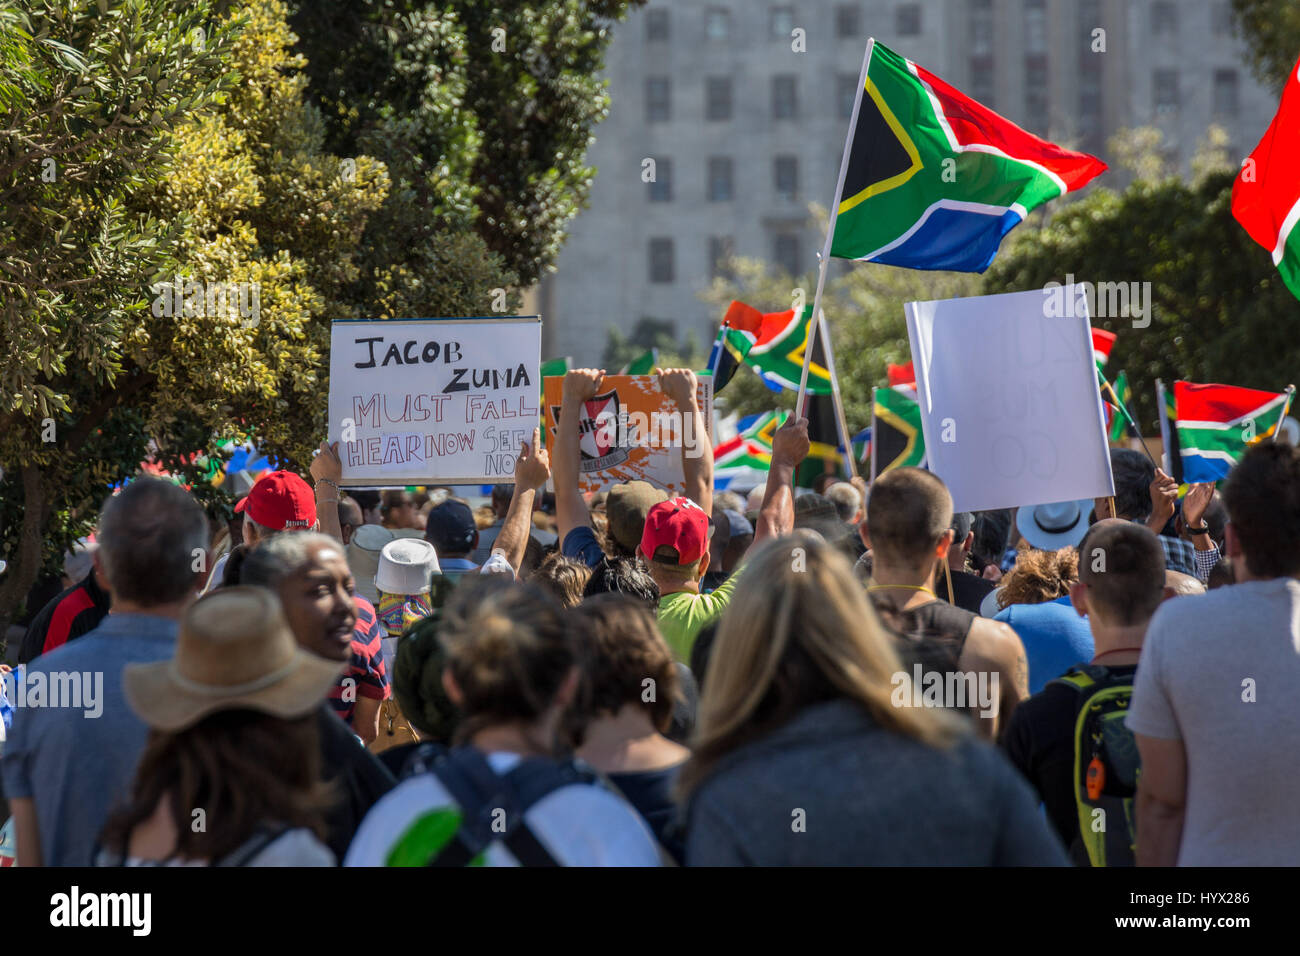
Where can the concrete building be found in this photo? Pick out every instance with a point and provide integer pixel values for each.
(744, 130)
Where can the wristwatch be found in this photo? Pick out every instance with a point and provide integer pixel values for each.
(1202, 529)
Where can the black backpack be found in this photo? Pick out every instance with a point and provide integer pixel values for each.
(1106, 765)
(491, 805)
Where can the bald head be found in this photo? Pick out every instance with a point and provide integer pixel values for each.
(1182, 585)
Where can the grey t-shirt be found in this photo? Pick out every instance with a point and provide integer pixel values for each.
(1220, 672)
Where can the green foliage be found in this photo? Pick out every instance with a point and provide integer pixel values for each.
(1271, 29)
(651, 333)
(483, 129)
(93, 95)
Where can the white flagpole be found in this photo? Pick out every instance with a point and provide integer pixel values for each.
(830, 231)
(841, 422)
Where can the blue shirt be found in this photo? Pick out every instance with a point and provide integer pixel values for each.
(1055, 638)
(75, 766)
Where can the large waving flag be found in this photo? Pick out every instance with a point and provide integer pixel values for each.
(1215, 424)
(934, 180)
(1266, 195)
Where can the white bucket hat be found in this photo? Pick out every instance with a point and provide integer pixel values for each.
(363, 557)
(405, 566)
(1061, 524)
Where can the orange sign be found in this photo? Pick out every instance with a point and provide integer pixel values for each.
(631, 430)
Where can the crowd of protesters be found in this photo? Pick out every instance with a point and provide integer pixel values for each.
(855, 675)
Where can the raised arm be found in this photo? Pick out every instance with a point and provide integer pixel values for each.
(532, 468)
(789, 447)
(326, 470)
(580, 384)
(680, 385)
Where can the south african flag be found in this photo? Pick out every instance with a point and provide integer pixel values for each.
(933, 179)
(1215, 424)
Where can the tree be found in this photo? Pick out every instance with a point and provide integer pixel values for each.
(488, 108)
(251, 238)
(1271, 28)
(90, 96)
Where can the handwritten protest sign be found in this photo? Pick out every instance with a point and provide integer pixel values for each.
(1009, 401)
(631, 430)
(423, 401)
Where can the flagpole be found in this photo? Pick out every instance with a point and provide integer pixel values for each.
(1165, 458)
(830, 231)
(874, 435)
(1125, 412)
(836, 399)
(1286, 407)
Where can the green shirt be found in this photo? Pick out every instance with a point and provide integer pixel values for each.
(683, 614)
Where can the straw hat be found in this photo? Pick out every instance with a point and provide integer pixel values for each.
(234, 651)
(363, 549)
(405, 566)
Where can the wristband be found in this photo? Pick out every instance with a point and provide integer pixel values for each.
(327, 481)
(1200, 529)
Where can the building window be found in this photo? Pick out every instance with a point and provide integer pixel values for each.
(785, 252)
(780, 22)
(1225, 94)
(907, 20)
(1221, 17)
(981, 27)
(785, 101)
(656, 26)
(1036, 89)
(1164, 18)
(722, 249)
(982, 79)
(721, 172)
(847, 20)
(717, 98)
(846, 92)
(658, 108)
(717, 23)
(661, 187)
(1035, 26)
(661, 260)
(1165, 84)
(786, 176)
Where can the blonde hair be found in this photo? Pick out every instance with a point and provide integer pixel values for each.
(799, 630)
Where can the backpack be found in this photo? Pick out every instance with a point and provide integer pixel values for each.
(491, 805)
(1106, 765)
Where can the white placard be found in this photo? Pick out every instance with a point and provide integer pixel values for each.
(433, 401)
(1010, 404)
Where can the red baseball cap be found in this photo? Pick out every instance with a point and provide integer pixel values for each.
(676, 523)
(279, 501)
